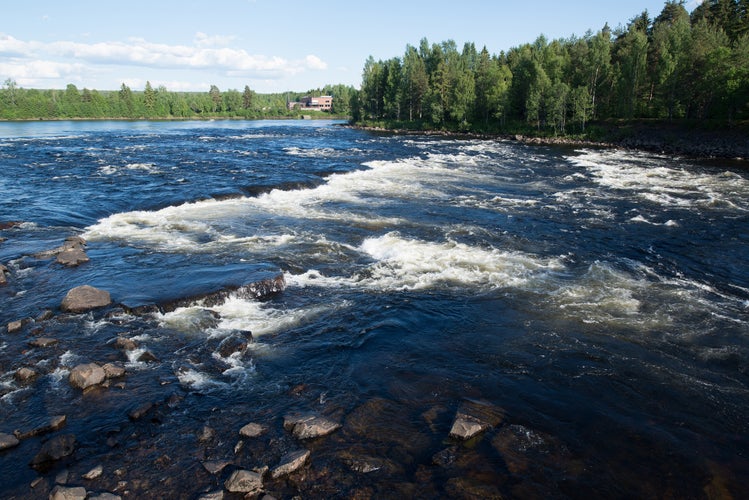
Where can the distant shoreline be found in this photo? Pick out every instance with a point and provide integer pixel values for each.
(655, 138)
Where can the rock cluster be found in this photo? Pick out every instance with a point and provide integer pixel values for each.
(71, 253)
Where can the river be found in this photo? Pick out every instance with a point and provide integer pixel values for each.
(596, 299)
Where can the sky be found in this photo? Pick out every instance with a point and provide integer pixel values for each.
(268, 45)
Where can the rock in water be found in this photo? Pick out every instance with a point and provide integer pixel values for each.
(475, 417)
(84, 298)
(72, 257)
(8, 441)
(290, 462)
(55, 449)
(65, 493)
(309, 426)
(252, 430)
(87, 375)
(244, 481)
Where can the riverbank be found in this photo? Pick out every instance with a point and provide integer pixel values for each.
(662, 138)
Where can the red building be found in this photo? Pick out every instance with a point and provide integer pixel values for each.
(324, 103)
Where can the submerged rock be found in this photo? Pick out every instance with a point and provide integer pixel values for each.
(43, 342)
(475, 417)
(244, 481)
(55, 449)
(290, 463)
(87, 375)
(258, 290)
(235, 343)
(84, 298)
(54, 423)
(309, 426)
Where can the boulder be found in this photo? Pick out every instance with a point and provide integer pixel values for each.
(72, 257)
(215, 466)
(87, 375)
(55, 449)
(244, 481)
(233, 344)
(8, 441)
(309, 426)
(252, 430)
(290, 462)
(68, 493)
(84, 298)
(16, 326)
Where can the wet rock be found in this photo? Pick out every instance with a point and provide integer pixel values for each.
(527, 452)
(215, 466)
(244, 481)
(55, 449)
(206, 434)
(46, 315)
(214, 495)
(62, 477)
(94, 473)
(72, 257)
(140, 411)
(86, 375)
(16, 326)
(309, 426)
(68, 493)
(25, 374)
(258, 290)
(43, 342)
(147, 357)
(84, 298)
(290, 463)
(125, 344)
(475, 417)
(233, 344)
(105, 496)
(55, 423)
(112, 370)
(445, 457)
(8, 441)
(252, 430)
(460, 487)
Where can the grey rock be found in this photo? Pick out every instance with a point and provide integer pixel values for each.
(16, 326)
(25, 374)
(8, 441)
(214, 495)
(84, 298)
(67, 493)
(309, 426)
(215, 466)
(475, 417)
(72, 257)
(244, 481)
(113, 371)
(290, 463)
(94, 473)
(252, 430)
(87, 375)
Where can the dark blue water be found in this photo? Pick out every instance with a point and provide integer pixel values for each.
(598, 298)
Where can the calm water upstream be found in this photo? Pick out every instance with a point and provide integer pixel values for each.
(598, 299)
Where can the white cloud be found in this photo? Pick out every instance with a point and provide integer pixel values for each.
(203, 40)
(314, 62)
(33, 72)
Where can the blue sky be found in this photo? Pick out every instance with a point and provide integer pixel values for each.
(270, 45)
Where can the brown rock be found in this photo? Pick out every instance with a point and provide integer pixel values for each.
(87, 375)
(25, 374)
(125, 344)
(290, 462)
(43, 342)
(113, 371)
(474, 417)
(84, 298)
(140, 411)
(215, 466)
(94, 473)
(244, 481)
(15, 326)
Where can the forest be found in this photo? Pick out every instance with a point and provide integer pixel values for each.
(677, 67)
(157, 103)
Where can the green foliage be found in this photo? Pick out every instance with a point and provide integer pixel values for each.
(31, 104)
(674, 67)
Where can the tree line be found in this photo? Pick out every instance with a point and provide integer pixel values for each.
(678, 66)
(156, 103)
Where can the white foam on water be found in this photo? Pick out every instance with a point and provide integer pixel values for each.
(198, 380)
(661, 180)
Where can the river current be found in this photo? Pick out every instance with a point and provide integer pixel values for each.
(598, 299)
